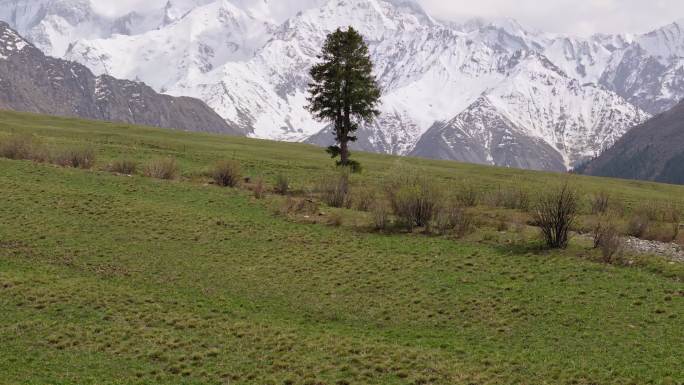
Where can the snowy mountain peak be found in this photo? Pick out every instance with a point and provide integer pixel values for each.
(665, 43)
(10, 41)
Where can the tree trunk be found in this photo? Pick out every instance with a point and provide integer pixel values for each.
(344, 152)
(344, 139)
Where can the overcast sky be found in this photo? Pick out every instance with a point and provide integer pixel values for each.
(580, 17)
(577, 17)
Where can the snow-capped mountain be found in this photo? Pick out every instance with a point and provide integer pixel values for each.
(551, 100)
(30, 81)
(538, 118)
(649, 72)
(205, 38)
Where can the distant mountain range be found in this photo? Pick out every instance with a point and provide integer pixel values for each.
(652, 151)
(33, 82)
(491, 92)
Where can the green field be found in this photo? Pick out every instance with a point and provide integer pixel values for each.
(109, 279)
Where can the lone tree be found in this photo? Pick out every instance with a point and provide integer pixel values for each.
(344, 91)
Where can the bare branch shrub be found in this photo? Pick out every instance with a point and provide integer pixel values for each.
(413, 197)
(163, 168)
(282, 184)
(294, 205)
(600, 203)
(123, 166)
(227, 173)
(467, 195)
(380, 214)
(453, 219)
(555, 213)
(259, 188)
(335, 190)
(639, 225)
(77, 157)
(510, 198)
(363, 198)
(607, 238)
(23, 147)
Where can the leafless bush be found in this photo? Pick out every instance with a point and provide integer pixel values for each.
(282, 184)
(607, 238)
(259, 188)
(672, 215)
(453, 218)
(335, 190)
(513, 198)
(467, 195)
(414, 199)
(639, 225)
(297, 206)
(555, 214)
(380, 214)
(163, 168)
(363, 198)
(600, 203)
(23, 147)
(123, 166)
(78, 157)
(227, 173)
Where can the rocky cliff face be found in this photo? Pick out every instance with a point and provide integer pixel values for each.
(33, 82)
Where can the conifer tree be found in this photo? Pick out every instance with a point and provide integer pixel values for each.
(344, 91)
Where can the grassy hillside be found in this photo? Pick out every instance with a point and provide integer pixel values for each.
(108, 279)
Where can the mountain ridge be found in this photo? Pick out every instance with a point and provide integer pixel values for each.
(33, 82)
(430, 71)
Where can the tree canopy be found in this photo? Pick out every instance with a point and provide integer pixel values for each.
(344, 91)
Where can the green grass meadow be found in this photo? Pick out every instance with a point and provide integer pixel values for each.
(110, 279)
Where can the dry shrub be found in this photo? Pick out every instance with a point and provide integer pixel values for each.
(638, 225)
(78, 157)
(227, 173)
(414, 199)
(259, 188)
(672, 216)
(654, 211)
(467, 195)
(662, 232)
(600, 203)
(510, 198)
(282, 184)
(23, 147)
(380, 214)
(363, 198)
(453, 218)
(655, 221)
(296, 206)
(607, 238)
(335, 190)
(163, 168)
(554, 214)
(123, 166)
(335, 219)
